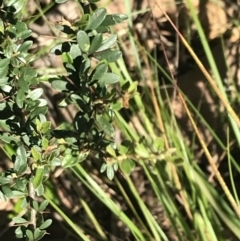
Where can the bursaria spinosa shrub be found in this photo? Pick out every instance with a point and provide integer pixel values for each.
(26, 135)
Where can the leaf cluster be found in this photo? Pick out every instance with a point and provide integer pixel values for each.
(28, 137)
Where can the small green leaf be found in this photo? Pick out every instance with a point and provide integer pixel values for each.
(56, 162)
(75, 51)
(39, 110)
(98, 72)
(133, 87)
(96, 19)
(107, 43)
(25, 46)
(22, 30)
(115, 167)
(20, 164)
(3, 82)
(108, 55)
(4, 65)
(35, 94)
(6, 138)
(123, 149)
(108, 79)
(68, 160)
(43, 206)
(45, 143)
(29, 234)
(46, 224)
(67, 58)
(20, 98)
(19, 220)
(103, 167)
(105, 125)
(141, 151)
(60, 85)
(38, 178)
(19, 232)
(127, 166)
(111, 151)
(114, 19)
(103, 29)
(24, 203)
(46, 126)
(42, 118)
(116, 106)
(7, 191)
(21, 184)
(35, 205)
(4, 180)
(40, 190)
(110, 172)
(38, 234)
(36, 153)
(82, 156)
(17, 207)
(26, 139)
(42, 102)
(38, 125)
(18, 194)
(159, 143)
(96, 43)
(83, 41)
(6, 88)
